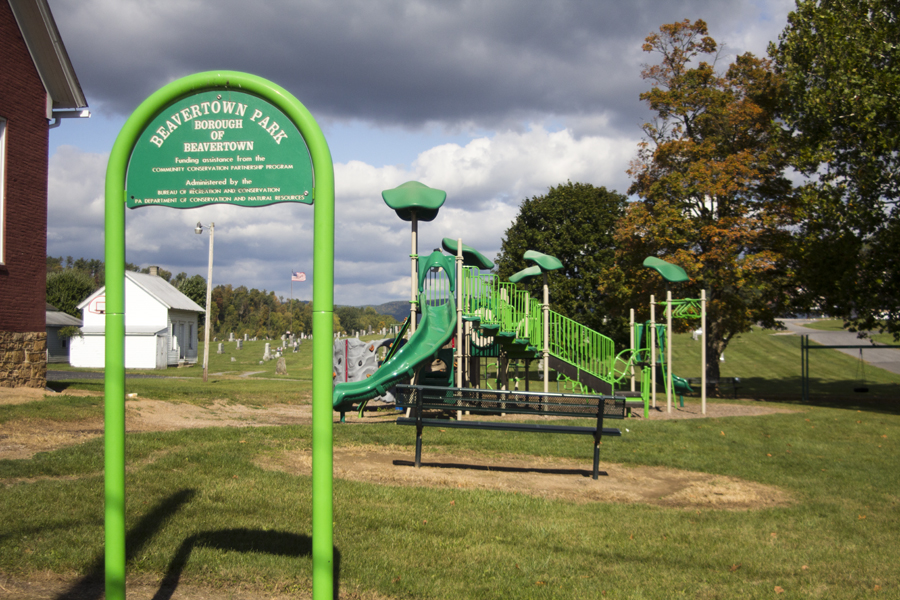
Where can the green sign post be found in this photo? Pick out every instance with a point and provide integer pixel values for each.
(232, 138)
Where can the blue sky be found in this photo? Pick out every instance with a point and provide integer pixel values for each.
(493, 102)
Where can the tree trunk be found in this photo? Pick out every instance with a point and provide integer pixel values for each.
(714, 349)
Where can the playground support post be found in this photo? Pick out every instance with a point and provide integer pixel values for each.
(703, 351)
(459, 320)
(414, 272)
(546, 311)
(652, 334)
(632, 340)
(668, 381)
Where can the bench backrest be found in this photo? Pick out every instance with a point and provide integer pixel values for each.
(482, 401)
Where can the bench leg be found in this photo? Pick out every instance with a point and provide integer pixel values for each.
(418, 447)
(596, 459)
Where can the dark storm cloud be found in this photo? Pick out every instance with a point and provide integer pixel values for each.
(486, 64)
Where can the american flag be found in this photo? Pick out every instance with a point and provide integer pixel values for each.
(297, 276)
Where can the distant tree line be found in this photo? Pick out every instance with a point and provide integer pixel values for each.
(232, 309)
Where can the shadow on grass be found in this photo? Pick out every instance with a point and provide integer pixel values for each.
(92, 585)
(880, 397)
(500, 469)
(277, 543)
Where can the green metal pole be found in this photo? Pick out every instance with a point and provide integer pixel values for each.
(323, 333)
(114, 386)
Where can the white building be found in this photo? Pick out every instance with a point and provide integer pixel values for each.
(57, 347)
(160, 326)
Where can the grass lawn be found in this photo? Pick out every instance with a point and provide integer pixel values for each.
(201, 509)
(241, 380)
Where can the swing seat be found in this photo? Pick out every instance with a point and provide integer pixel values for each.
(861, 389)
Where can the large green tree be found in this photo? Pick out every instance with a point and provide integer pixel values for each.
(573, 222)
(710, 179)
(193, 287)
(840, 60)
(67, 288)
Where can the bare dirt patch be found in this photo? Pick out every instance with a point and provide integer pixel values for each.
(23, 438)
(544, 477)
(550, 478)
(692, 409)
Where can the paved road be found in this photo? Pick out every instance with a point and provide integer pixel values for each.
(886, 358)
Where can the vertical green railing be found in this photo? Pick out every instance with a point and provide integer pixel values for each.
(480, 294)
(536, 324)
(437, 287)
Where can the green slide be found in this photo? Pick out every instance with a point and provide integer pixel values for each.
(435, 330)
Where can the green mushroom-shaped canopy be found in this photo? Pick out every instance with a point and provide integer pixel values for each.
(414, 196)
(671, 273)
(544, 261)
(471, 256)
(542, 264)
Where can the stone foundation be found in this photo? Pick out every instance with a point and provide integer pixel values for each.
(23, 359)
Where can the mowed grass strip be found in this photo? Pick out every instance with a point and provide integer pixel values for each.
(201, 510)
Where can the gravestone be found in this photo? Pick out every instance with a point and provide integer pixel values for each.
(267, 354)
(281, 367)
(221, 348)
(240, 344)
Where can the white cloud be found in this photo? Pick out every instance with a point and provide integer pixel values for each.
(485, 181)
(551, 88)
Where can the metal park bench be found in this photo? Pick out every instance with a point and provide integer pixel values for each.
(422, 398)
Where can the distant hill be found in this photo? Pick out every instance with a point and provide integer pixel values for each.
(399, 309)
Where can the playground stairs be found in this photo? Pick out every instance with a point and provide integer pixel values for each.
(514, 322)
(600, 386)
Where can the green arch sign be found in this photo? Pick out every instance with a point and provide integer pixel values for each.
(259, 145)
(224, 146)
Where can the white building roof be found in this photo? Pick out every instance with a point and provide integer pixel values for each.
(133, 330)
(163, 291)
(57, 318)
(158, 288)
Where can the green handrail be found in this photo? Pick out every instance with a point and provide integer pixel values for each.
(585, 348)
(504, 304)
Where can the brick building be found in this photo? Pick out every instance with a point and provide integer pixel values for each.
(38, 87)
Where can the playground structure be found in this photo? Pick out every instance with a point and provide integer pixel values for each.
(647, 337)
(468, 314)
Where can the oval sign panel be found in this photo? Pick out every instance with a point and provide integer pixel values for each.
(219, 147)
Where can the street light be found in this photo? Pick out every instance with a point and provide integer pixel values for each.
(212, 230)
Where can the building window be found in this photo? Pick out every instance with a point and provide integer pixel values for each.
(191, 336)
(2, 191)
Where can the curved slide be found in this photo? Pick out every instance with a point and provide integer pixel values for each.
(435, 330)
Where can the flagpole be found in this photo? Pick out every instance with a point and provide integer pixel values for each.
(292, 303)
